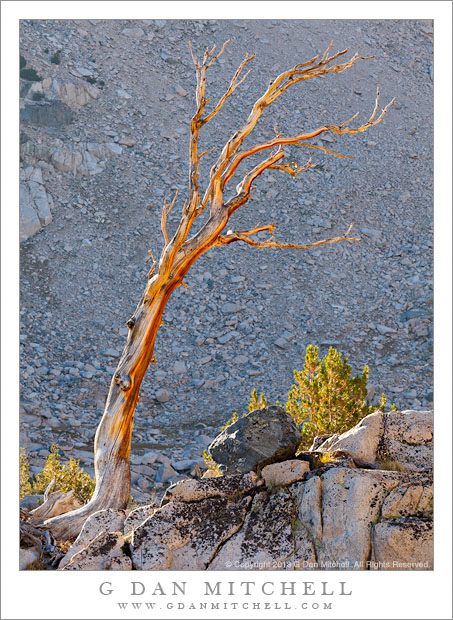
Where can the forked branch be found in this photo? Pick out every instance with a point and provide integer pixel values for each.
(231, 88)
(292, 167)
(231, 156)
(300, 138)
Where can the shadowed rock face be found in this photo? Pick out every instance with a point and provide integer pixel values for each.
(262, 437)
(226, 486)
(270, 538)
(55, 114)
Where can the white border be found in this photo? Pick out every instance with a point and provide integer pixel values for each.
(74, 595)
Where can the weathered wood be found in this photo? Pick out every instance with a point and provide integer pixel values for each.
(56, 504)
(113, 436)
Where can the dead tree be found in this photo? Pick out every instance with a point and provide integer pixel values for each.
(113, 437)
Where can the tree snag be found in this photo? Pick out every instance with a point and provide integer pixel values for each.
(113, 437)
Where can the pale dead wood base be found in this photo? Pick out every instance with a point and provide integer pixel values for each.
(112, 491)
(57, 503)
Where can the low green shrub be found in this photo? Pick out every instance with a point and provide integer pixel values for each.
(325, 397)
(30, 74)
(56, 58)
(22, 61)
(38, 96)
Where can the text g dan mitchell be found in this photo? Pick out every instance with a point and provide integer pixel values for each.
(144, 594)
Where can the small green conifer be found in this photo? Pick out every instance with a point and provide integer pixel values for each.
(326, 399)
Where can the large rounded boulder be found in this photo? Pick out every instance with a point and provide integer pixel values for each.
(257, 439)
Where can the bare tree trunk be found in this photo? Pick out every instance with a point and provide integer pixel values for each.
(112, 443)
(113, 436)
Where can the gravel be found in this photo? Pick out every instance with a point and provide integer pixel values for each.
(83, 273)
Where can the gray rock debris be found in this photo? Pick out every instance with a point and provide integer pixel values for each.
(330, 294)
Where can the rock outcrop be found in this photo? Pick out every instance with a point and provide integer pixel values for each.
(186, 536)
(52, 104)
(367, 507)
(105, 552)
(58, 157)
(387, 439)
(98, 524)
(72, 94)
(36, 203)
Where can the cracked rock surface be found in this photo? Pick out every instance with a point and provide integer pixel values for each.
(332, 517)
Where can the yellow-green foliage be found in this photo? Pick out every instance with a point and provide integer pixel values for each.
(24, 475)
(68, 476)
(212, 465)
(326, 399)
(234, 418)
(255, 402)
(326, 457)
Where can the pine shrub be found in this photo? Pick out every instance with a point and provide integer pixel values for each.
(326, 398)
(55, 58)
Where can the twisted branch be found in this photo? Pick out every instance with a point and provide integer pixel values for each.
(166, 210)
(179, 248)
(292, 167)
(231, 156)
(244, 235)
